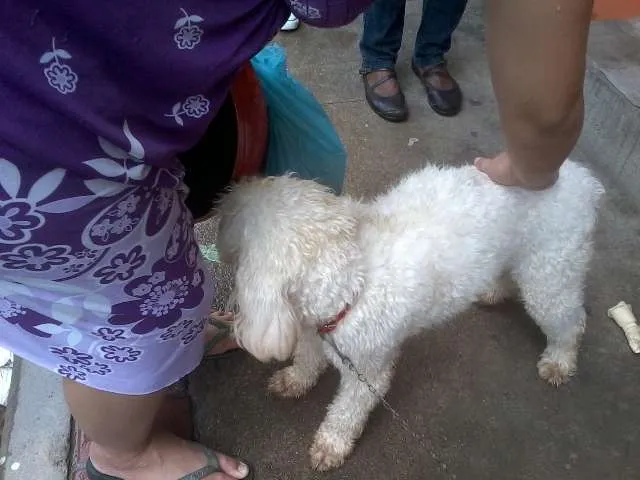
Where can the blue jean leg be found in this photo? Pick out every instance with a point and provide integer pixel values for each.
(382, 35)
(439, 20)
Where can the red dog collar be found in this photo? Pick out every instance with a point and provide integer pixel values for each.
(331, 325)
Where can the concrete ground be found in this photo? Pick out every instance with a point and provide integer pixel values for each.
(470, 387)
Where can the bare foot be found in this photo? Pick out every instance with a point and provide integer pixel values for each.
(219, 333)
(503, 172)
(167, 457)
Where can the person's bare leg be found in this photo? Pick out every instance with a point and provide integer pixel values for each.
(124, 443)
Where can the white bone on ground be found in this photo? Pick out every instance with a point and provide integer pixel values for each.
(624, 318)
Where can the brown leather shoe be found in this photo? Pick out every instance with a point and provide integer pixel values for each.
(384, 95)
(443, 92)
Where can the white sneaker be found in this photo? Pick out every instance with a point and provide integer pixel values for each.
(291, 24)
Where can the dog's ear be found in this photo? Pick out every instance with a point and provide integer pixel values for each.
(266, 325)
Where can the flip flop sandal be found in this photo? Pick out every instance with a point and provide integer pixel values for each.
(175, 416)
(212, 466)
(225, 330)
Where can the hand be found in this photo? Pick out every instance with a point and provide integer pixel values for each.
(501, 170)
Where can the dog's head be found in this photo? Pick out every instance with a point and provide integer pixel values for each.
(292, 243)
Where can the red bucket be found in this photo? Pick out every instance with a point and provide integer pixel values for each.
(252, 123)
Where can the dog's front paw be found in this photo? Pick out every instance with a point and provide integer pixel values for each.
(328, 452)
(555, 371)
(287, 383)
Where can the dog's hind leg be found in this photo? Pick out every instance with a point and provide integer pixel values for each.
(309, 362)
(552, 291)
(564, 329)
(348, 414)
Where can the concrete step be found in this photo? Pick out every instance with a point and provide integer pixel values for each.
(37, 426)
(611, 136)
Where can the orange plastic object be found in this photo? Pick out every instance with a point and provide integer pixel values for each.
(615, 9)
(253, 123)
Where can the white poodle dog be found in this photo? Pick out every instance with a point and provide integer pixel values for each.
(309, 264)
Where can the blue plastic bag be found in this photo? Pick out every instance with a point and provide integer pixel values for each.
(302, 139)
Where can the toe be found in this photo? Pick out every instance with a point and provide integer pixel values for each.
(233, 467)
(219, 315)
(497, 170)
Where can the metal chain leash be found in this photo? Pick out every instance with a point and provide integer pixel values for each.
(231, 305)
(346, 361)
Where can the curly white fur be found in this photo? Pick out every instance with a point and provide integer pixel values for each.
(411, 259)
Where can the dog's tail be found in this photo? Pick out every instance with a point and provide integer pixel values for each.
(583, 182)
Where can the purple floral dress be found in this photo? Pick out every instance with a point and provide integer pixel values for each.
(101, 279)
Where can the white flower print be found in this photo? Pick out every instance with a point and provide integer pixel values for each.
(157, 277)
(179, 238)
(128, 205)
(101, 229)
(59, 75)
(188, 33)
(176, 330)
(80, 262)
(118, 162)
(124, 224)
(87, 254)
(163, 298)
(74, 268)
(195, 106)
(193, 332)
(9, 309)
(106, 227)
(141, 290)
